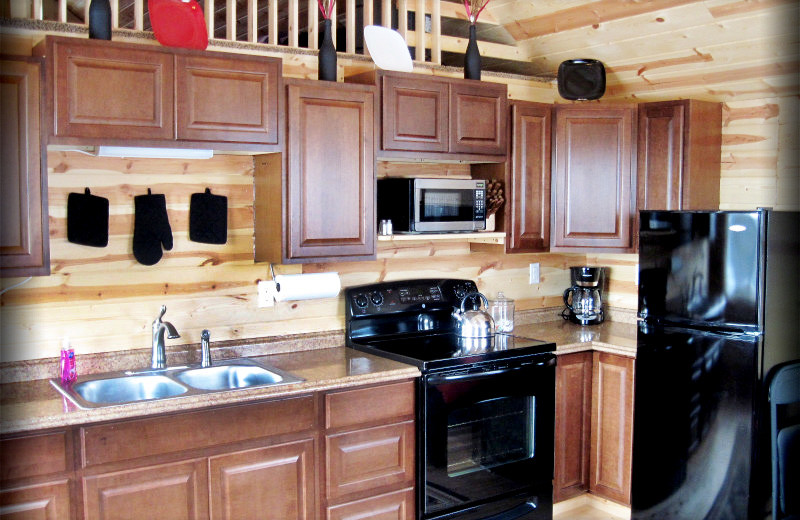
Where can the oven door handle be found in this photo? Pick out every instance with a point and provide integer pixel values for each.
(442, 378)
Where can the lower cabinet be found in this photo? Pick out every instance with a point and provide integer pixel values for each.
(594, 426)
(45, 501)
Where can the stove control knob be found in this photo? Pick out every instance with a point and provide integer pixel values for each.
(460, 292)
(361, 300)
(376, 298)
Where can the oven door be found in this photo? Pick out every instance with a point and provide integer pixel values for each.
(487, 440)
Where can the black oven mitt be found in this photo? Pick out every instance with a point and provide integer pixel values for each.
(151, 228)
(208, 218)
(87, 219)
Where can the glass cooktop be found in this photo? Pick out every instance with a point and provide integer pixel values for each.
(432, 351)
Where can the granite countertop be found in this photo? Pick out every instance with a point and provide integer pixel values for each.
(35, 405)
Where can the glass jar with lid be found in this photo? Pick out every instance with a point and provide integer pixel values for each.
(502, 311)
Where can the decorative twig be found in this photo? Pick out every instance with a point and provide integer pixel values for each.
(326, 6)
(474, 8)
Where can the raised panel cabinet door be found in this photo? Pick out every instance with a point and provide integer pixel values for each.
(612, 427)
(46, 501)
(478, 116)
(178, 491)
(227, 99)
(415, 114)
(592, 202)
(108, 90)
(24, 239)
(573, 426)
(331, 172)
(370, 458)
(679, 155)
(272, 482)
(529, 190)
(398, 505)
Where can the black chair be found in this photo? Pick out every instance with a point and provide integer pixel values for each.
(784, 402)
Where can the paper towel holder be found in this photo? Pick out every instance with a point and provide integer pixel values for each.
(272, 272)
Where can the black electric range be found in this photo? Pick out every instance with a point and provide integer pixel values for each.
(485, 406)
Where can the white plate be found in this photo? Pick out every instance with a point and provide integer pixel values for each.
(387, 48)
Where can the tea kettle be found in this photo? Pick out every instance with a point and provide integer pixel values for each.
(473, 323)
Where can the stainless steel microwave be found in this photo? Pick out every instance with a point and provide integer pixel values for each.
(432, 205)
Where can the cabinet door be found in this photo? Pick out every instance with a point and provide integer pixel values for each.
(369, 458)
(24, 239)
(47, 501)
(227, 99)
(115, 91)
(398, 505)
(592, 203)
(478, 116)
(415, 115)
(178, 490)
(331, 172)
(679, 154)
(573, 414)
(612, 427)
(529, 190)
(276, 481)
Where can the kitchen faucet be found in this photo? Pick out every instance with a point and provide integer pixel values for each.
(159, 357)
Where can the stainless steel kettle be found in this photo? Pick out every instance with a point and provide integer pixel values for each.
(473, 323)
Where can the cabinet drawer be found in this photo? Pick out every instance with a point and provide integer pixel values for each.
(47, 501)
(370, 458)
(194, 430)
(35, 455)
(368, 405)
(398, 505)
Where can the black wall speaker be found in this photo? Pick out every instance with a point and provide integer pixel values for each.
(581, 79)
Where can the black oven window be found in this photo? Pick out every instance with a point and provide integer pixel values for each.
(490, 433)
(446, 205)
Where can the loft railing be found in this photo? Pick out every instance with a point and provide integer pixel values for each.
(278, 22)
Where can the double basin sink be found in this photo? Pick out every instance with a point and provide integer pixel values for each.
(127, 387)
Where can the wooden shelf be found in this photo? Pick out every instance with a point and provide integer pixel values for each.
(484, 237)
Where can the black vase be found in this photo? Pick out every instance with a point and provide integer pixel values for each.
(100, 20)
(472, 58)
(326, 69)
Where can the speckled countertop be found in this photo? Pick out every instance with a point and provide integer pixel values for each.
(35, 405)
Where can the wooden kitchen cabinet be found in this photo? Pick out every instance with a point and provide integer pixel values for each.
(24, 236)
(415, 114)
(478, 117)
(593, 180)
(594, 426)
(528, 207)
(103, 92)
(369, 452)
(679, 154)
(326, 188)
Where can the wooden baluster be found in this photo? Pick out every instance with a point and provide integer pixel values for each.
(402, 19)
(419, 29)
(252, 21)
(38, 10)
(230, 20)
(209, 14)
(85, 12)
(294, 36)
(273, 22)
(62, 11)
(114, 14)
(369, 19)
(350, 25)
(334, 24)
(386, 13)
(436, 32)
(138, 15)
(313, 27)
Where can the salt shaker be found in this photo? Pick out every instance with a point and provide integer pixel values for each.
(502, 311)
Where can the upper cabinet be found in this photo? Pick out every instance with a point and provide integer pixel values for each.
(593, 176)
(528, 206)
(679, 150)
(326, 188)
(104, 92)
(24, 239)
(440, 118)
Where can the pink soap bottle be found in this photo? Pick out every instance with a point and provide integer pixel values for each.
(69, 371)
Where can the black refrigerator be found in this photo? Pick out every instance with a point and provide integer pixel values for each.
(719, 306)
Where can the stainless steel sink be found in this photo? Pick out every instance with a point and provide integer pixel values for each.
(241, 373)
(128, 387)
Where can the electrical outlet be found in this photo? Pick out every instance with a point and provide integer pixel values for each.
(534, 273)
(266, 293)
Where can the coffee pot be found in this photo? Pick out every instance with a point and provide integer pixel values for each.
(583, 302)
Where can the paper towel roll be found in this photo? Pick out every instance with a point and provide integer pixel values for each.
(307, 286)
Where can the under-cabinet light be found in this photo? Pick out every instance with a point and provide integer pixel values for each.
(159, 153)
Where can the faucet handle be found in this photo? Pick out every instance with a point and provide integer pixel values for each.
(205, 350)
(161, 314)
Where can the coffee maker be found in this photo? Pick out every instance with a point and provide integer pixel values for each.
(583, 303)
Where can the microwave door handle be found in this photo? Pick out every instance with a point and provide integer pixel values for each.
(470, 376)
